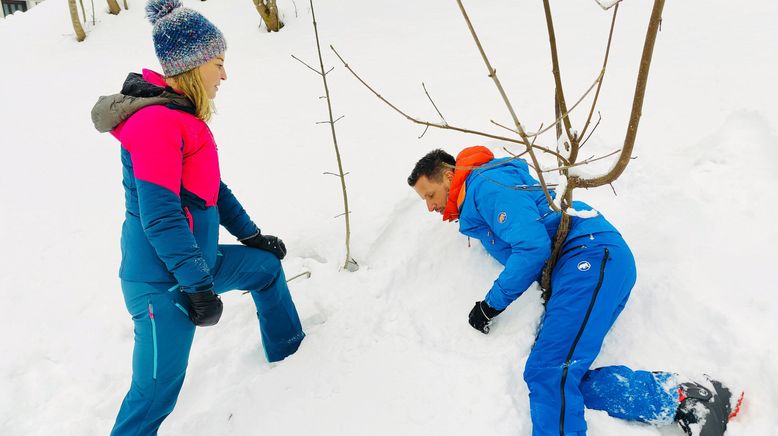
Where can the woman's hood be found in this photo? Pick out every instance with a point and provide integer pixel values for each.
(138, 91)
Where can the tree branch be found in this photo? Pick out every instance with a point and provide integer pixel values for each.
(572, 108)
(584, 162)
(438, 125)
(433, 104)
(637, 102)
(519, 128)
(559, 117)
(594, 129)
(602, 73)
(558, 83)
(424, 132)
(349, 260)
(310, 67)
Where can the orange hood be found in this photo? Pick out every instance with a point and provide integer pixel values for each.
(466, 159)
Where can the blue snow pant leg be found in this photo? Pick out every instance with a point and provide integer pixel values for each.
(163, 337)
(591, 284)
(164, 333)
(650, 397)
(260, 272)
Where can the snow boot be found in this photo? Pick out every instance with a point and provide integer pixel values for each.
(703, 412)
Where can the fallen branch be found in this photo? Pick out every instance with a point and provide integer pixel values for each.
(307, 275)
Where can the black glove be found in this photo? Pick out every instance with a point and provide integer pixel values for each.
(205, 307)
(268, 243)
(481, 316)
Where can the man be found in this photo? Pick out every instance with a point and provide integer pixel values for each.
(499, 203)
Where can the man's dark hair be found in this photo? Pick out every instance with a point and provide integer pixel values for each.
(431, 166)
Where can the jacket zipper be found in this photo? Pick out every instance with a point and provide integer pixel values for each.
(153, 338)
(180, 307)
(571, 249)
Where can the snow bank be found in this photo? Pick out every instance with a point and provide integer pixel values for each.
(389, 350)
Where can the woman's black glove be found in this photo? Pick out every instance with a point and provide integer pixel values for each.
(481, 316)
(266, 242)
(205, 307)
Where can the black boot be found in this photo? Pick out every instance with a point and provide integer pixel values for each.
(704, 411)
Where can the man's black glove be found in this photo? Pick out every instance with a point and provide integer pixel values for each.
(481, 316)
(205, 307)
(266, 242)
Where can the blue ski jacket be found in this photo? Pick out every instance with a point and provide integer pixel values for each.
(505, 209)
(174, 196)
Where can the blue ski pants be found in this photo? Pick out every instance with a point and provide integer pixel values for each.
(164, 333)
(591, 283)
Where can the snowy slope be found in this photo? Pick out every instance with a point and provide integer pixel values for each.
(389, 350)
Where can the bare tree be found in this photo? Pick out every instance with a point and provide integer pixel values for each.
(629, 141)
(269, 12)
(350, 264)
(80, 35)
(567, 156)
(113, 7)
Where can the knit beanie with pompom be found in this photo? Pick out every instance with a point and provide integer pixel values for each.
(183, 39)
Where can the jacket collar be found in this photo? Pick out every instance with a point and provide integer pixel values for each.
(138, 91)
(467, 160)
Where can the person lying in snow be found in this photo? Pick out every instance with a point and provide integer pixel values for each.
(173, 267)
(498, 202)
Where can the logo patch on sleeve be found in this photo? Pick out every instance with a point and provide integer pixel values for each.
(584, 265)
(502, 217)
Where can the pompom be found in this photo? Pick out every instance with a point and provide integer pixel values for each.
(157, 9)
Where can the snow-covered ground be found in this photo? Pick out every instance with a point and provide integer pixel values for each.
(389, 350)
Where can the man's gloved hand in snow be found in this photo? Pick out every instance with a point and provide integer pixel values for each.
(481, 316)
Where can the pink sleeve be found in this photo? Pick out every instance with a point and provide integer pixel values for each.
(153, 138)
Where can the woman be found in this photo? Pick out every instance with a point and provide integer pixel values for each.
(173, 268)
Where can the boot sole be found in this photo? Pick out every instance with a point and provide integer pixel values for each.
(736, 410)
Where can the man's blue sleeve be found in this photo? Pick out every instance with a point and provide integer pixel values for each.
(232, 215)
(514, 217)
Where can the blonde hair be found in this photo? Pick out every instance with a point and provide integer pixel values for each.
(191, 84)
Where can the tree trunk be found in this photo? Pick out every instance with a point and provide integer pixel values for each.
(80, 35)
(113, 7)
(269, 12)
(126, 6)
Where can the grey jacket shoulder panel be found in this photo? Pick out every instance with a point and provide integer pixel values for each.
(111, 110)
